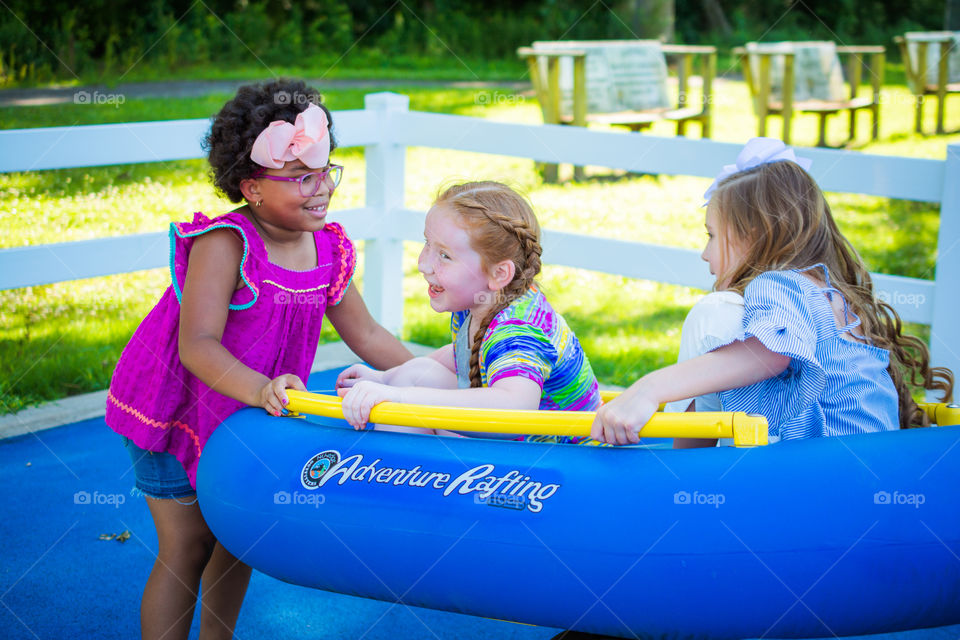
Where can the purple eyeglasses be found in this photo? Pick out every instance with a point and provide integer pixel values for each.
(309, 183)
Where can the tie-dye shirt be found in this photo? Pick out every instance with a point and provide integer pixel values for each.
(529, 339)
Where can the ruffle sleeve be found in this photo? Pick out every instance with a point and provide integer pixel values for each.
(182, 237)
(778, 313)
(344, 262)
(715, 320)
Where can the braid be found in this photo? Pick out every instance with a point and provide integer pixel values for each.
(507, 295)
(502, 226)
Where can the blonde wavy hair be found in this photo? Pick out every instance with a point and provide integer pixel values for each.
(782, 216)
(502, 226)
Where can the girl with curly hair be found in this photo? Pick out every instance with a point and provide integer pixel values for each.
(238, 326)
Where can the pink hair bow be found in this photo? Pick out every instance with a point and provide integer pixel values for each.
(308, 140)
(756, 152)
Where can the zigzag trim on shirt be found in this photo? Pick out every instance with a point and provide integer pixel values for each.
(154, 423)
(345, 273)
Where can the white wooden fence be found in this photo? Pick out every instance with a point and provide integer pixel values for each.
(386, 127)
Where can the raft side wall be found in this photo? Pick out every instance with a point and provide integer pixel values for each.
(749, 535)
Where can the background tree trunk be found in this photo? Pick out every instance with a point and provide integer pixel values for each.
(717, 19)
(951, 21)
(650, 19)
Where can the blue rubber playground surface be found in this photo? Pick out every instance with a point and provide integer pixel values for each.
(66, 487)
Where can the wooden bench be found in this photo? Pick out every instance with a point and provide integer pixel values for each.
(758, 63)
(545, 62)
(917, 52)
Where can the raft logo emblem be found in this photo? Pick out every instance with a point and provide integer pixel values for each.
(317, 467)
(511, 489)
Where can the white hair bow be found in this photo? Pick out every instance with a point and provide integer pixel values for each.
(756, 152)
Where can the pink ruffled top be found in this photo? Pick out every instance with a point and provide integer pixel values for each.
(273, 327)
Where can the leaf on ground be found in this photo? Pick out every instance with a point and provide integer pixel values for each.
(119, 537)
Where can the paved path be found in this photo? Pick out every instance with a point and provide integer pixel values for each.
(185, 89)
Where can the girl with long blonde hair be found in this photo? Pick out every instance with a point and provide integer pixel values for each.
(794, 330)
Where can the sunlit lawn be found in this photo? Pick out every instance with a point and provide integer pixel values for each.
(64, 338)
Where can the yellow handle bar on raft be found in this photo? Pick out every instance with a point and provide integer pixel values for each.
(607, 396)
(746, 430)
(943, 414)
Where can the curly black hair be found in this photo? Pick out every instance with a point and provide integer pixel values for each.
(242, 119)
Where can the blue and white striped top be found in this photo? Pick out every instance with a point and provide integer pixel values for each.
(833, 386)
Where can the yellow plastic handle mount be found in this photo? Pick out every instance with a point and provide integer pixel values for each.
(941, 413)
(746, 430)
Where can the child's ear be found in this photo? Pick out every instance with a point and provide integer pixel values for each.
(250, 189)
(501, 274)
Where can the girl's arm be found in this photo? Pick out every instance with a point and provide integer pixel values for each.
(208, 287)
(514, 392)
(736, 365)
(365, 337)
(409, 370)
(445, 356)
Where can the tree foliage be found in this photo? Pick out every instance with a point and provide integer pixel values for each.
(64, 39)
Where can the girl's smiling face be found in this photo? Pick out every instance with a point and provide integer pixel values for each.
(454, 272)
(284, 207)
(723, 252)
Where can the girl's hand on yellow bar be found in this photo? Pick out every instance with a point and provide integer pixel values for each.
(361, 398)
(620, 420)
(356, 373)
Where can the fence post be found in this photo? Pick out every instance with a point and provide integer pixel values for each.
(383, 255)
(944, 337)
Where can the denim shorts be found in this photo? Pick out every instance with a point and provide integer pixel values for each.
(159, 474)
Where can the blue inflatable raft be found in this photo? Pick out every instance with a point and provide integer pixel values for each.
(828, 537)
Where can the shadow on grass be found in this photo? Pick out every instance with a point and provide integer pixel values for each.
(897, 237)
(615, 176)
(51, 348)
(104, 180)
(623, 339)
(453, 101)
(89, 181)
(623, 347)
(48, 353)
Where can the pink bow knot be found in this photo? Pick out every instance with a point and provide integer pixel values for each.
(307, 140)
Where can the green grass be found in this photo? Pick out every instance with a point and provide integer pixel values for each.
(63, 339)
(150, 109)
